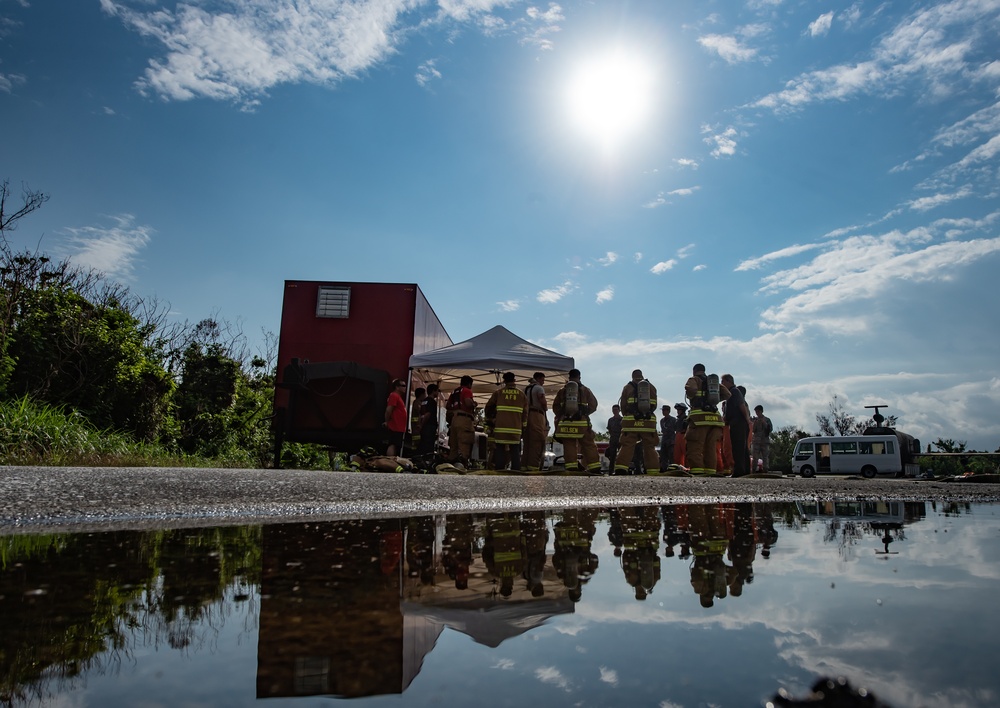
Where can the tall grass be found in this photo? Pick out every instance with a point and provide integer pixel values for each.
(33, 433)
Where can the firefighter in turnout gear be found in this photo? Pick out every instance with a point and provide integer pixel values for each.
(572, 407)
(704, 426)
(638, 402)
(508, 411)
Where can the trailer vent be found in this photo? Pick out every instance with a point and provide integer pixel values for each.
(333, 301)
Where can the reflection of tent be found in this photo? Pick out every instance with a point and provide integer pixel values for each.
(491, 622)
(486, 357)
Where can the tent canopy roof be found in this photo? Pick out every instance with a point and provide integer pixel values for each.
(485, 358)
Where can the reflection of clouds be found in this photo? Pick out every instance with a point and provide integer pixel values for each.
(885, 622)
(504, 664)
(552, 675)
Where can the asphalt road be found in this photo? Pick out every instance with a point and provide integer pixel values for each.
(48, 499)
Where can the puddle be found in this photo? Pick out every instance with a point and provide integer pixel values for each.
(685, 605)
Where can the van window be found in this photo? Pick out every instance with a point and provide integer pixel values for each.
(845, 448)
(873, 448)
(804, 448)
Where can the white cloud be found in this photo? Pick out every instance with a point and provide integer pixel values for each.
(684, 191)
(112, 250)
(553, 295)
(933, 46)
(927, 203)
(9, 81)
(637, 256)
(509, 305)
(821, 25)
(724, 142)
(754, 263)
(700, 266)
(545, 23)
(427, 72)
(609, 676)
(663, 266)
(728, 47)
(687, 162)
(606, 295)
(685, 251)
(242, 52)
(608, 259)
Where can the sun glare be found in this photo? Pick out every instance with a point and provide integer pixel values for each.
(610, 97)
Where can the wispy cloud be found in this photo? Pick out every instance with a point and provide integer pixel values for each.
(936, 200)
(553, 295)
(828, 290)
(113, 250)
(686, 162)
(934, 45)
(544, 23)
(608, 259)
(821, 25)
(427, 72)
(754, 263)
(239, 51)
(606, 295)
(509, 305)
(685, 251)
(729, 47)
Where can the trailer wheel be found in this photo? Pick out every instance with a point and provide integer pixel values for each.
(807, 471)
(868, 472)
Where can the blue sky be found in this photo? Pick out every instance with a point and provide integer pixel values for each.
(804, 194)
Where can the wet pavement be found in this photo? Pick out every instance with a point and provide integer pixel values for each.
(45, 499)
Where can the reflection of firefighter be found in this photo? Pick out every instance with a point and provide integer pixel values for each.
(535, 533)
(640, 544)
(572, 407)
(456, 548)
(638, 402)
(710, 527)
(502, 551)
(420, 549)
(572, 557)
(675, 530)
(743, 548)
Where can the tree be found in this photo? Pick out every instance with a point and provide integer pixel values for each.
(782, 444)
(838, 422)
(30, 201)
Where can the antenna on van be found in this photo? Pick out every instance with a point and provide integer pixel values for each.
(878, 417)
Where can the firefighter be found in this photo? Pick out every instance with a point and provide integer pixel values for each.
(572, 407)
(419, 396)
(507, 410)
(538, 424)
(461, 410)
(704, 427)
(638, 403)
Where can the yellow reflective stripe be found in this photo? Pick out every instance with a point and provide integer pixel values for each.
(510, 409)
(508, 431)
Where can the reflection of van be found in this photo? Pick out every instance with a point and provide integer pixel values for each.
(867, 455)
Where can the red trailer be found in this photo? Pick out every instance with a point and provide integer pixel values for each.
(340, 346)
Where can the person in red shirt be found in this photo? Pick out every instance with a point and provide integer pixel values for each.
(395, 417)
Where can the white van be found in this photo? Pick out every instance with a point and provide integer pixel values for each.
(867, 455)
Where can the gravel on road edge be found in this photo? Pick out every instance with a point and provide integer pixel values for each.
(78, 499)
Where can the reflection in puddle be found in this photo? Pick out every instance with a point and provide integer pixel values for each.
(680, 605)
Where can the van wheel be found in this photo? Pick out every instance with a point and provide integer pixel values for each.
(868, 472)
(807, 471)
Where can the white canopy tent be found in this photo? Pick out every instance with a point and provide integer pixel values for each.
(485, 358)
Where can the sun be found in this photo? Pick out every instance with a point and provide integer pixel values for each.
(610, 97)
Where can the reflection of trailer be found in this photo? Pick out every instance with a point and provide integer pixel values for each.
(339, 348)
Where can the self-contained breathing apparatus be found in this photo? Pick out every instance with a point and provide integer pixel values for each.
(643, 406)
(571, 400)
(709, 392)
